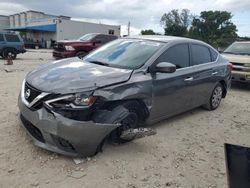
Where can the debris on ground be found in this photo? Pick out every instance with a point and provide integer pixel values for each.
(8, 70)
(77, 174)
(137, 133)
(78, 161)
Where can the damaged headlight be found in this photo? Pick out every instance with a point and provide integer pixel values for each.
(79, 100)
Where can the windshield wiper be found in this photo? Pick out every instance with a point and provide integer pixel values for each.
(228, 52)
(98, 62)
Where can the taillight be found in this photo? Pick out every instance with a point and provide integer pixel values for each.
(230, 67)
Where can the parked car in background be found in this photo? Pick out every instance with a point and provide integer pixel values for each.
(73, 105)
(239, 55)
(82, 46)
(11, 44)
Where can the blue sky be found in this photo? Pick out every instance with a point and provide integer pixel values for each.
(143, 14)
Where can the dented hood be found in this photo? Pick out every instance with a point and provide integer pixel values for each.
(75, 75)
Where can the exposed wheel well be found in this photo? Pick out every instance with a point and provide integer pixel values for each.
(133, 103)
(8, 48)
(224, 85)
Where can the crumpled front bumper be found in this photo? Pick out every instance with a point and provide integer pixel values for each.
(56, 133)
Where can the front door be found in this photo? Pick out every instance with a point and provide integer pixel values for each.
(172, 92)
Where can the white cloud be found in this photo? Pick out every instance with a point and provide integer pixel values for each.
(143, 14)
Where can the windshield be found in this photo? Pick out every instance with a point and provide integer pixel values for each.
(239, 48)
(124, 53)
(87, 37)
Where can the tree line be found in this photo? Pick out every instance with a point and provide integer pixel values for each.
(213, 27)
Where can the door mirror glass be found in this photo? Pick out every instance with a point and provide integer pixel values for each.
(164, 67)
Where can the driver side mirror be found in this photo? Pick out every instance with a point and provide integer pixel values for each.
(163, 67)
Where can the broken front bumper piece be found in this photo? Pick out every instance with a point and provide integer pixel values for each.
(56, 133)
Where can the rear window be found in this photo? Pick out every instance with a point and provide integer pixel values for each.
(12, 38)
(214, 55)
(1, 37)
(200, 54)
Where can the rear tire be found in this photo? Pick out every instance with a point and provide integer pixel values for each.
(9, 53)
(215, 98)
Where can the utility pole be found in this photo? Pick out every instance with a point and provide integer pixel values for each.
(128, 28)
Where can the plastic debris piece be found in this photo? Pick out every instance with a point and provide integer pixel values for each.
(137, 133)
(79, 160)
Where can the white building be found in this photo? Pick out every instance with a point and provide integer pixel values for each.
(38, 26)
(4, 22)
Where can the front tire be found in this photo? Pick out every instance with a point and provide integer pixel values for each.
(9, 53)
(131, 121)
(215, 98)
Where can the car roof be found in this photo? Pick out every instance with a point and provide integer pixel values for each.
(163, 38)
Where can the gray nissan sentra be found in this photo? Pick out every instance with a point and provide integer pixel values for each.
(73, 105)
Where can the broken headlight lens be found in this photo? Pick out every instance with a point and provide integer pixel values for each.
(78, 100)
(83, 100)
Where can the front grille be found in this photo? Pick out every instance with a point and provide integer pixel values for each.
(59, 47)
(239, 64)
(34, 131)
(240, 67)
(30, 93)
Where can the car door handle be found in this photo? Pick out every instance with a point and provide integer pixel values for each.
(189, 79)
(214, 73)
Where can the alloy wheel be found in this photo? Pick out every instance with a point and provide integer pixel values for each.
(217, 96)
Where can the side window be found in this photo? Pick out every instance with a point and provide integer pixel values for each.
(178, 55)
(12, 38)
(101, 38)
(1, 38)
(200, 54)
(214, 54)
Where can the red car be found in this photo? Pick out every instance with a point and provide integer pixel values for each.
(81, 46)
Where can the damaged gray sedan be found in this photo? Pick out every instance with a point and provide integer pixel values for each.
(73, 105)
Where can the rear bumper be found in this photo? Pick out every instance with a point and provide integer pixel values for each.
(63, 54)
(53, 132)
(239, 76)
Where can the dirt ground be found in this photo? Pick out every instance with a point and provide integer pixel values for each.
(187, 150)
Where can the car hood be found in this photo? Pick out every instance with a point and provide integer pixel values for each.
(74, 75)
(237, 58)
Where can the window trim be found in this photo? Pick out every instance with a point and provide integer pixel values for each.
(189, 53)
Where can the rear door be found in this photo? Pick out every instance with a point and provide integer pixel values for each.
(205, 72)
(172, 92)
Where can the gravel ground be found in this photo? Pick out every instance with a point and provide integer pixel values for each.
(187, 151)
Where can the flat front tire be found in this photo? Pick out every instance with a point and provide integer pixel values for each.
(131, 121)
